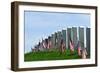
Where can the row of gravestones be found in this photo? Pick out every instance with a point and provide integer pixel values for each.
(76, 34)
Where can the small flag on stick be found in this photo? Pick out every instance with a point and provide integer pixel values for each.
(84, 54)
(71, 46)
(79, 49)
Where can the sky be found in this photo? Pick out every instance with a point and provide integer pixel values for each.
(38, 24)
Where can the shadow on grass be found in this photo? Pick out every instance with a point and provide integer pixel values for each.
(53, 55)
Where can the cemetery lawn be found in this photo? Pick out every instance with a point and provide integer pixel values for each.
(54, 55)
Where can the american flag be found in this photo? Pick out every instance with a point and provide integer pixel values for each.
(79, 49)
(71, 46)
(84, 53)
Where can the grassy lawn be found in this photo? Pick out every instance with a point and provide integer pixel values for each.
(54, 55)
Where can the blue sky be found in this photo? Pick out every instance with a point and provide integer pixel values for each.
(40, 25)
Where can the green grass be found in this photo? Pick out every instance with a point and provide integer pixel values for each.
(54, 55)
